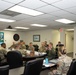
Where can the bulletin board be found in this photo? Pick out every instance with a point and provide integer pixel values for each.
(1, 37)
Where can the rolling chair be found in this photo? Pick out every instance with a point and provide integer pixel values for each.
(33, 67)
(4, 70)
(14, 59)
(72, 68)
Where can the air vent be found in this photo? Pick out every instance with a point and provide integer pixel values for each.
(9, 13)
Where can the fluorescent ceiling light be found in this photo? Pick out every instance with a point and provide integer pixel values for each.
(66, 21)
(38, 25)
(21, 27)
(70, 29)
(10, 29)
(6, 20)
(24, 10)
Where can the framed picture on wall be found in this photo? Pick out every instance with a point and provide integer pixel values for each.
(1, 37)
(36, 38)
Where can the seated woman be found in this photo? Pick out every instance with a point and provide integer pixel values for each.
(42, 48)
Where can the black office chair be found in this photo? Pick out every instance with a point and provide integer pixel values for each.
(27, 47)
(72, 68)
(14, 59)
(33, 67)
(36, 47)
(4, 70)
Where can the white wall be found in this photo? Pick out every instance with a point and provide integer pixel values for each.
(69, 42)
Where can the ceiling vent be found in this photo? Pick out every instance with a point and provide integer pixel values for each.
(9, 13)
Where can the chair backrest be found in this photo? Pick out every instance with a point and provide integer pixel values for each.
(36, 47)
(33, 67)
(72, 68)
(14, 59)
(4, 70)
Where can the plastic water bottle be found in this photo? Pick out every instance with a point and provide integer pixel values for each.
(46, 60)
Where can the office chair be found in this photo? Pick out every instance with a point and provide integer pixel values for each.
(36, 47)
(72, 68)
(4, 70)
(14, 59)
(33, 67)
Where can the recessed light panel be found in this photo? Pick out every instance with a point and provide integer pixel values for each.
(66, 21)
(6, 20)
(21, 27)
(70, 29)
(24, 10)
(38, 25)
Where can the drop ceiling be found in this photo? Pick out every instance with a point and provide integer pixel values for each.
(52, 9)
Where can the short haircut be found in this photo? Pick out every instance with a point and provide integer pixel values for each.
(21, 40)
(51, 43)
(3, 44)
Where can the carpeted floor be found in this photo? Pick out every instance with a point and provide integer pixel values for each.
(70, 54)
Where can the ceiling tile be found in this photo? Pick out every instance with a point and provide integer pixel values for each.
(51, 1)
(59, 13)
(72, 10)
(32, 4)
(65, 4)
(13, 1)
(47, 9)
(68, 16)
(4, 16)
(20, 17)
(5, 5)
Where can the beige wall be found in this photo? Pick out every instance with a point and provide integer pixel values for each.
(55, 37)
(8, 37)
(48, 35)
(74, 54)
(69, 41)
(45, 35)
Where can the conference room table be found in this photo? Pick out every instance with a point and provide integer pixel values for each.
(36, 55)
(29, 57)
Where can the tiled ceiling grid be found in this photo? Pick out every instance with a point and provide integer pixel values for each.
(52, 9)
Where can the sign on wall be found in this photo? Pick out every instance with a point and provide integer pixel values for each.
(1, 37)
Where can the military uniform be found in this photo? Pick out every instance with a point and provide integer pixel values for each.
(3, 52)
(42, 49)
(31, 48)
(51, 53)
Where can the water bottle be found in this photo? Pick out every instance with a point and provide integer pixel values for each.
(46, 60)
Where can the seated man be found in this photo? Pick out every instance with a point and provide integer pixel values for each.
(3, 53)
(17, 47)
(42, 48)
(31, 47)
(59, 43)
(61, 50)
(50, 51)
(22, 44)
